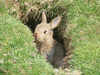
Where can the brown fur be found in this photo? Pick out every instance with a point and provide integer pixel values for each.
(47, 46)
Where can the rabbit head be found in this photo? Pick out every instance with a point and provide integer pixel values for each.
(44, 30)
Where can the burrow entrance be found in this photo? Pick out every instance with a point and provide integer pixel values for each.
(32, 16)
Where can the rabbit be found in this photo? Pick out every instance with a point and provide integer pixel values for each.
(52, 50)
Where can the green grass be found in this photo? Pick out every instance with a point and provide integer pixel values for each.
(17, 50)
(84, 25)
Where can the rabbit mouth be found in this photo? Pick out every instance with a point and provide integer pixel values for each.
(37, 40)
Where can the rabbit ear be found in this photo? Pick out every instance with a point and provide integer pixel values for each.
(44, 19)
(55, 22)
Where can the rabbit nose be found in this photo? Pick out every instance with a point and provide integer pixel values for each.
(35, 35)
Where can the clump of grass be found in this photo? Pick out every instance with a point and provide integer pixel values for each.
(83, 25)
(17, 51)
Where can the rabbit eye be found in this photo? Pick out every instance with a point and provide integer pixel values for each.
(45, 32)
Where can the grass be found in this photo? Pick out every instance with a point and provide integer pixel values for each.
(17, 50)
(84, 25)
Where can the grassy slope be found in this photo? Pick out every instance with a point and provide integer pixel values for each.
(17, 50)
(84, 18)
